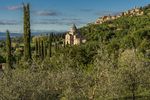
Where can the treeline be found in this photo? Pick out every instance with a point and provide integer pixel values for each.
(34, 47)
(43, 45)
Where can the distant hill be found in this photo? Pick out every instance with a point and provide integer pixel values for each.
(3, 35)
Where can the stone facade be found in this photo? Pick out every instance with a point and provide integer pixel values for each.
(73, 37)
(2, 66)
(132, 12)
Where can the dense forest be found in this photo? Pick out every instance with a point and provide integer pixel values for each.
(114, 63)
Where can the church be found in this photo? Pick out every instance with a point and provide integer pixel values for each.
(73, 37)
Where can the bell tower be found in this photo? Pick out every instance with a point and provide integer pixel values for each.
(73, 29)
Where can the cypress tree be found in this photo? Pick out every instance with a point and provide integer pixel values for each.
(39, 47)
(27, 32)
(50, 46)
(36, 47)
(45, 50)
(8, 50)
(56, 42)
(42, 49)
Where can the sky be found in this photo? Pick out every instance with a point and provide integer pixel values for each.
(59, 15)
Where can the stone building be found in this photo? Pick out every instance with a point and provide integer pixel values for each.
(73, 37)
(2, 66)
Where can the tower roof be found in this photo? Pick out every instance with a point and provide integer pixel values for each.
(74, 27)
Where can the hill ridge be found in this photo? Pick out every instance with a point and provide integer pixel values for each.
(133, 12)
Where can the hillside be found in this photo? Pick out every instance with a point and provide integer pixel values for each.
(125, 24)
(125, 32)
(114, 64)
(116, 36)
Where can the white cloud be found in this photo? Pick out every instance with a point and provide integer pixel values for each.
(15, 7)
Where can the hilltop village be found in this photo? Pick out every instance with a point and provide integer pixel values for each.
(73, 37)
(132, 12)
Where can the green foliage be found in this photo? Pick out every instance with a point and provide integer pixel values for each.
(50, 46)
(2, 59)
(36, 47)
(8, 49)
(114, 64)
(27, 32)
(42, 49)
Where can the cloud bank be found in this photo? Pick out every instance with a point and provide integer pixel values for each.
(47, 13)
(14, 7)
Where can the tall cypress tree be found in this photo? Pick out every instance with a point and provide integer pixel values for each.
(50, 46)
(42, 49)
(39, 47)
(27, 32)
(8, 49)
(36, 47)
(56, 42)
(45, 52)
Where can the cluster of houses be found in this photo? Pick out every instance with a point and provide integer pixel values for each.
(132, 12)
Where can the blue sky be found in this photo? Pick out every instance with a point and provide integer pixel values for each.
(59, 15)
